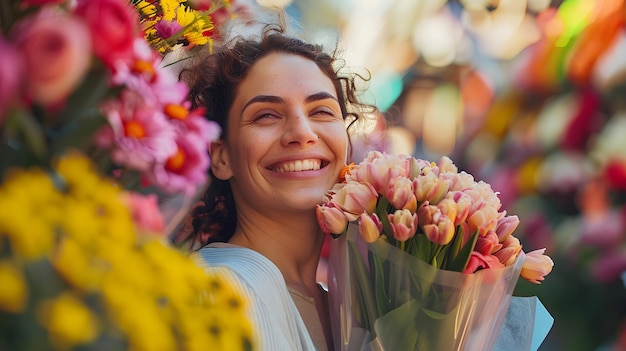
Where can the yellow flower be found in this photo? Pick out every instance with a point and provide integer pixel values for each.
(68, 321)
(30, 209)
(195, 25)
(77, 267)
(14, 292)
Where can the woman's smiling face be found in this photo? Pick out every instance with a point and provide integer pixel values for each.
(287, 140)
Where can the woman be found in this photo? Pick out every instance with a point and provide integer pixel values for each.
(283, 110)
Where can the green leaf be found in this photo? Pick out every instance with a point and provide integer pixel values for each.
(459, 263)
(362, 287)
(86, 98)
(397, 329)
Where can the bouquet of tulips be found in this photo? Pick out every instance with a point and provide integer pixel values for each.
(423, 257)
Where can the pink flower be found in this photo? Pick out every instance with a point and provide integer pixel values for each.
(506, 226)
(140, 135)
(193, 121)
(437, 227)
(403, 224)
(430, 188)
(379, 169)
(446, 165)
(400, 194)
(331, 218)
(56, 57)
(166, 29)
(536, 266)
(488, 244)
(185, 169)
(114, 27)
(478, 261)
(355, 198)
(370, 227)
(463, 203)
(146, 213)
(511, 247)
(11, 74)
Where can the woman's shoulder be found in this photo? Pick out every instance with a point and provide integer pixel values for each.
(277, 318)
(256, 272)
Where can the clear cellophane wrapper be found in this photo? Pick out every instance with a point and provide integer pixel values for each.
(382, 298)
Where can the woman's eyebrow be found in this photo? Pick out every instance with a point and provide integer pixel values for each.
(277, 99)
(320, 96)
(263, 98)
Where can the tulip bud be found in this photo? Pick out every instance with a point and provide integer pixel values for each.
(536, 266)
(331, 218)
(400, 194)
(370, 227)
(403, 224)
(511, 247)
(506, 226)
(441, 231)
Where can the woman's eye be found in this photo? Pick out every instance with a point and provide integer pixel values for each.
(324, 112)
(265, 115)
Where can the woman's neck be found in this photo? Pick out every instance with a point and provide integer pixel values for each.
(293, 243)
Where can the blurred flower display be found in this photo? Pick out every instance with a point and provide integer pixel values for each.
(96, 138)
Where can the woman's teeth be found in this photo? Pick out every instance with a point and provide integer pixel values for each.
(299, 165)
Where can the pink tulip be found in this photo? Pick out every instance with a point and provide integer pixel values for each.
(56, 57)
(463, 203)
(370, 227)
(511, 247)
(446, 165)
(536, 266)
(355, 198)
(380, 170)
(483, 220)
(430, 188)
(331, 218)
(403, 224)
(400, 194)
(438, 227)
(478, 261)
(506, 226)
(488, 244)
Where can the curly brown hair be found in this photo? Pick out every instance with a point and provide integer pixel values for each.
(213, 85)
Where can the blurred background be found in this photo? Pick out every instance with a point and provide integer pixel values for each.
(528, 95)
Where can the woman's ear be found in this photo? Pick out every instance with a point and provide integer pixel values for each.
(220, 162)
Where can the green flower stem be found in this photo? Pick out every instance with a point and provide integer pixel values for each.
(363, 292)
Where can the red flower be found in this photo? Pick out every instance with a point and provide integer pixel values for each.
(113, 25)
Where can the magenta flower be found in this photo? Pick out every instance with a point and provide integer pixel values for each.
(166, 29)
(185, 169)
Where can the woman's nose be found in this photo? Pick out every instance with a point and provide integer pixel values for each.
(300, 130)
